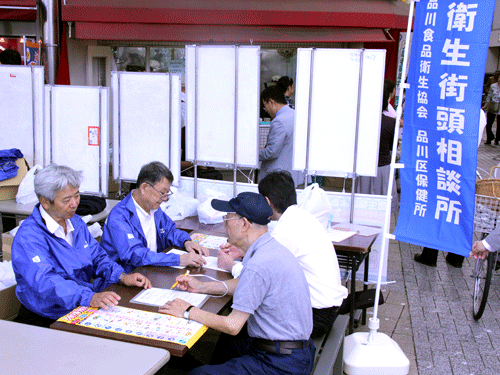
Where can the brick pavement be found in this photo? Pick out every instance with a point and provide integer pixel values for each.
(446, 338)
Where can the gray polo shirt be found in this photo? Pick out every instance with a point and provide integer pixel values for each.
(273, 289)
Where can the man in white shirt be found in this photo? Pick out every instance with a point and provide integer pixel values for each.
(301, 233)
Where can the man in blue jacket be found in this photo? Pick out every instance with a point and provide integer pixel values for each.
(137, 231)
(58, 264)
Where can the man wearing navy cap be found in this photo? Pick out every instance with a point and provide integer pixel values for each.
(271, 295)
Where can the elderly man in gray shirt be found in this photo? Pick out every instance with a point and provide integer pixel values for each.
(271, 295)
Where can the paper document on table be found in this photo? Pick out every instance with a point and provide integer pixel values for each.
(212, 264)
(211, 261)
(159, 297)
(339, 235)
(362, 230)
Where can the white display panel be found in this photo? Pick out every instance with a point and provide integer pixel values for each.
(332, 105)
(78, 125)
(146, 124)
(213, 75)
(21, 106)
(175, 128)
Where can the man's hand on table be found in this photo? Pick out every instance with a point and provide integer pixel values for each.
(192, 259)
(190, 284)
(175, 307)
(136, 279)
(105, 300)
(195, 247)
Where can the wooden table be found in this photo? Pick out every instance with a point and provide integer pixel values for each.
(29, 349)
(192, 225)
(350, 254)
(161, 277)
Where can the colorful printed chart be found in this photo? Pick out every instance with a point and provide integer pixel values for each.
(209, 241)
(138, 323)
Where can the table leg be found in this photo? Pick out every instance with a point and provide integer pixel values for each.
(353, 293)
(365, 285)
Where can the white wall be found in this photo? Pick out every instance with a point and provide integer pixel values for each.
(77, 58)
(492, 61)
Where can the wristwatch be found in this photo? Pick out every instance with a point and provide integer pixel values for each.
(120, 279)
(186, 313)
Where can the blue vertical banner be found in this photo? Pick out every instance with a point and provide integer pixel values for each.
(441, 120)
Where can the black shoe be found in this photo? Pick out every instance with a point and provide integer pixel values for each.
(487, 143)
(454, 263)
(418, 258)
(496, 143)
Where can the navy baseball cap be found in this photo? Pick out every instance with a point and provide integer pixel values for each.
(253, 206)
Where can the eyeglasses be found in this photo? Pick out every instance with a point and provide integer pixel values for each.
(167, 195)
(226, 218)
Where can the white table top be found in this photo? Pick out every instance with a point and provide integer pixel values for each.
(28, 349)
(14, 208)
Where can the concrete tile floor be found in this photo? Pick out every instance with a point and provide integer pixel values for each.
(428, 311)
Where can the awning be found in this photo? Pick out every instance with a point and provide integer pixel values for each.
(235, 20)
(18, 10)
(220, 34)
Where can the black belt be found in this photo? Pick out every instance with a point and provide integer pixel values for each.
(279, 347)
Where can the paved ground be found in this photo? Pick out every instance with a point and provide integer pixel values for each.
(428, 311)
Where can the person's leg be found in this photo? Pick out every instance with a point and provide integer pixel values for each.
(489, 123)
(497, 138)
(258, 362)
(427, 257)
(455, 260)
(323, 320)
(26, 316)
(228, 346)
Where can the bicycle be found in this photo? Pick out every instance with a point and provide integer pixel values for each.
(486, 213)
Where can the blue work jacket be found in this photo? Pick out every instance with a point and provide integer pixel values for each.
(125, 242)
(54, 277)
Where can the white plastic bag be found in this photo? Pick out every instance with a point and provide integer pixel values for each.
(314, 200)
(26, 192)
(180, 206)
(206, 214)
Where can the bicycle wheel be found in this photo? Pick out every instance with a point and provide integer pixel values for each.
(482, 275)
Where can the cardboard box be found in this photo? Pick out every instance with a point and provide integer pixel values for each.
(7, 239)
(9, 304)
(8, 188)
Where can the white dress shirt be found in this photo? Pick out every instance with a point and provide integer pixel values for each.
(308, 240)
(148, 225)
(56, 229)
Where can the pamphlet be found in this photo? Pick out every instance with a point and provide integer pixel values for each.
(137, 323)
(159, 297)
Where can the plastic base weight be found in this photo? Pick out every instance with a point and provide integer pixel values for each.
(381, 356)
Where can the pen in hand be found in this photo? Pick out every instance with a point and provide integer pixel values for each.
(176, 282)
